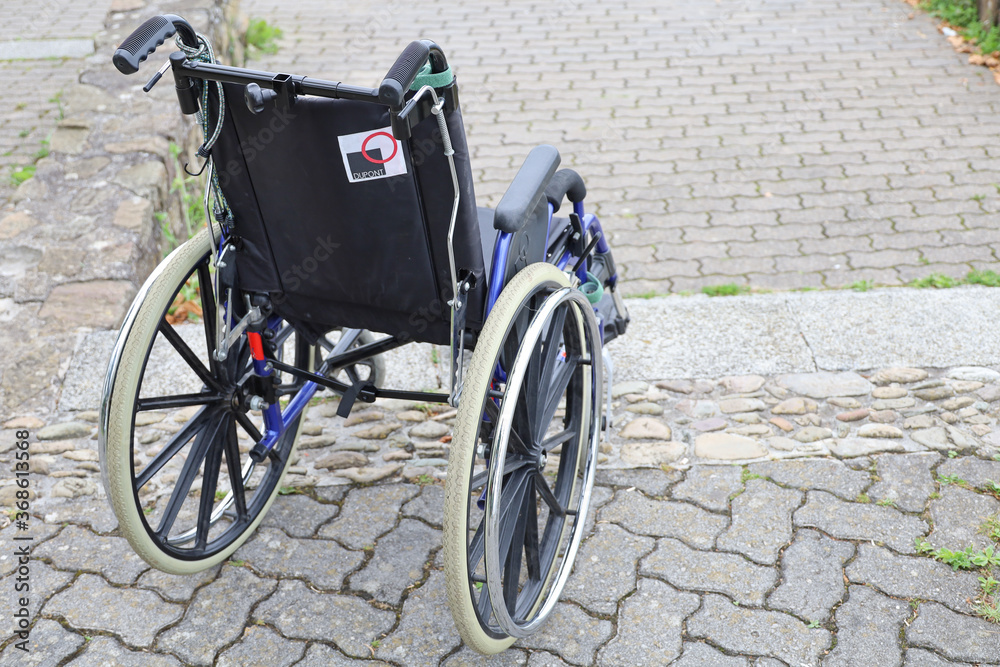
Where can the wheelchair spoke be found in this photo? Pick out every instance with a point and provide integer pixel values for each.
(514, 493)
(177, 442)
(188, 472)
(546, 365)
(515, 552)
(512, 464)
(209, 481)
(189, 356)
(546, 493)
(235, 471)
(493, 411)
(248, 426)
(531, 547)
(207, 309)
(477, 546)
(557, 388)
(178, 401)
(559, 438)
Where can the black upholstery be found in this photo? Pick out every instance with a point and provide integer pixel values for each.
(520, 201)
(369, 253)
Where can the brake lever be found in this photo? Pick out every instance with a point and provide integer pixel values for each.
(156, 77)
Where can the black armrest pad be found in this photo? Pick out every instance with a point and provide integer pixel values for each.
(566, 183)
(526, 189)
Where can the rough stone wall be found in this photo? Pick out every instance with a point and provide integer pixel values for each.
(78, 238)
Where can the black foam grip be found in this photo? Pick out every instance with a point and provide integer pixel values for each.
(565, 183)
(141, 44)
(402, 74)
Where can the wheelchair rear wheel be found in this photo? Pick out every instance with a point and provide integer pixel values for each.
(522, 459)
(187, 499)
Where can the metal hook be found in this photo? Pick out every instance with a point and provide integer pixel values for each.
(197, 173)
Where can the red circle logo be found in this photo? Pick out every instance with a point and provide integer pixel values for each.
(364, 147)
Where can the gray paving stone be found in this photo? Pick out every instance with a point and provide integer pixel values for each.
(77, 548)
(605, 568)
(977, 472)
(702, 655)
(543, 659)
(957, 516)
(398, 561)
(710, 486)
(217, 616)
(38, 531)
(650, 623)
(652, 481)
(91, 512)
(693, 570)
(177, 587)
(868, 625)
(319, 655)
(301, 613)
(823, 474)
(913, 577)
(324, 563)
(262, 647)
(466, 657)
(918, 657)
(762, 521)
(105, 651)
(426, 632)
(905, 479)
(662, 518)
(298, 515)
(571, 634)
(43, 581)
(135, 616)
(757, 632)
(429, 505)
(367, 513)
(47, 645)
(956, 636)
(858, 521)
(812, 576)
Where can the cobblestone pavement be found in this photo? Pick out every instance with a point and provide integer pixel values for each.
(774, 143)
(740, 521)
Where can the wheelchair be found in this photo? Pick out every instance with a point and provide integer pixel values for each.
(335, 211)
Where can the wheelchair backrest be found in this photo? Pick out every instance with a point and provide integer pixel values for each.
(340, 223)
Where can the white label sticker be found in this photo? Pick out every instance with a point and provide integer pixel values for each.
(371, 155)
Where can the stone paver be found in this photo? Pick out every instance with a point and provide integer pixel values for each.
(909, 577)
(868, 624)
(955, 636)
(299, 613)
(217, 616)
(762, 521)
(426, 636)
(651, 626)
(689, 569)
(958, 516)
(643, 516)
(135, 616)
(905, 481)
(812, 576)
(398, 561)
(757, 632)
(866, 522)
(610, 556)
(323, 563)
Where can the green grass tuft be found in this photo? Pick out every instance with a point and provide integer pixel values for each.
(261, 37)
(728, 289)
(937, 281)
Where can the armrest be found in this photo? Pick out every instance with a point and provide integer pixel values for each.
(526, 189)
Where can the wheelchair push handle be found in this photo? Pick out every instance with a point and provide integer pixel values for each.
(403, 72)
(143, 41)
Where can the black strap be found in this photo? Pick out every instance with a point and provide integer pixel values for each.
(349, 398)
